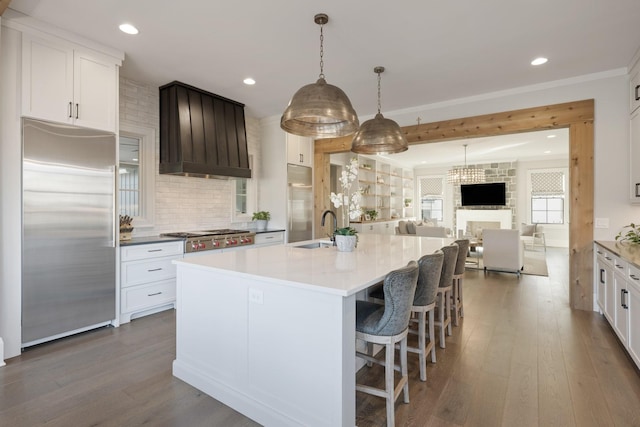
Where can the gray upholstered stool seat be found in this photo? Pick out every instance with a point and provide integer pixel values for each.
(458, 275)
(387, 325)
(443, 303)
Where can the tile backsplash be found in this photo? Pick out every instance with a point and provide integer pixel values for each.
(182, 203)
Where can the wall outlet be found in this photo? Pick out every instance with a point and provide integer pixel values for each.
(256, 296)
(602, 222)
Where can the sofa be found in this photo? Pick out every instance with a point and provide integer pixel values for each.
(422, 228)
(502, 250)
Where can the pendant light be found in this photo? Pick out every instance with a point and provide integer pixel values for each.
(319, 109)
(379, 135)
(465, 175)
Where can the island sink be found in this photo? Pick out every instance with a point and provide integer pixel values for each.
(315, 245)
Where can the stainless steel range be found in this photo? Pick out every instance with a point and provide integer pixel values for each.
(209, 240)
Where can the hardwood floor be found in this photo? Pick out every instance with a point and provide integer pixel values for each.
(520, 357)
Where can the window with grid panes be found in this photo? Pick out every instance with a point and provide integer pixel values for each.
(431, 198)
(547, 197)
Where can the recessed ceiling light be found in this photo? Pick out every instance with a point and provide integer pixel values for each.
(128, 28)
(539, 61)
(249, 81)
(547, 152)
(134, 160)
(551, 136)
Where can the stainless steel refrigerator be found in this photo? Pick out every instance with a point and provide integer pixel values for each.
(300, 203)
(68, 230)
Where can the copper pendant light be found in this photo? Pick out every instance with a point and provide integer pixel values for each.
(379, 135)
(319, 109)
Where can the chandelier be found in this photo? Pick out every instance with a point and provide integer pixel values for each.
(465, 175)
(379, 135)
(319, 109)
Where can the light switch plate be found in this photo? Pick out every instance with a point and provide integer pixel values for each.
(602, 222)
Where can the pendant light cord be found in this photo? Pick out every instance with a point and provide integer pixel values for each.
(321, 52)
(378, 93)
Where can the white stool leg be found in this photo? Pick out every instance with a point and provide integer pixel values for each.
(403, 368)
(448, 302)
(389, 383)
(422, 345)
(441, 311)
(432, 334)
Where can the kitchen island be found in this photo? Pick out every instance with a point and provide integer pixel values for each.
(270, 331)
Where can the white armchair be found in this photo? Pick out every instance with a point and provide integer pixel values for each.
(502, 250)
(532, 236)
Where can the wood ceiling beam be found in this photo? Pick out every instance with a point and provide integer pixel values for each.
(525, 120)
(4, 4)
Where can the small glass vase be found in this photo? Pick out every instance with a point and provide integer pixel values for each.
(346, 243)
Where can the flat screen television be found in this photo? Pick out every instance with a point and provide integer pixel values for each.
(489, 194)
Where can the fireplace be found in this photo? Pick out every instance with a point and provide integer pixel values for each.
(477, 216)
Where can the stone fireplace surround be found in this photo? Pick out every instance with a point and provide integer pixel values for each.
(474, 218)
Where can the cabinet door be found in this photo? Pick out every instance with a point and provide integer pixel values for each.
(621, 323)
(299, 150)
(634, 87)
(95, 85)
(601, 281)
(47, 79)
(633, 302)
(634, 156)
(610, 300)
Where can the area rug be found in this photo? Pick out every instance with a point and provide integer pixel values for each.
(535, 262)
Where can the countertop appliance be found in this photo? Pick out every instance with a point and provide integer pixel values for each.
(300, 203)
(68, 230)
(209, 240)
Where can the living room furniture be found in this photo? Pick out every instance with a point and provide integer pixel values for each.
(503, 250)
(388, 325)
(423, 229)
(533, 236)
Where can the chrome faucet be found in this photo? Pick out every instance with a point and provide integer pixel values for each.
(335, 224)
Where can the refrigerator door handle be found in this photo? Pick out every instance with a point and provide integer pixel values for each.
(113, 170)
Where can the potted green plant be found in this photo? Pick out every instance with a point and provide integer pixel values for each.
(371, 214)
(407, 202)
(632, 235)
(261, 218)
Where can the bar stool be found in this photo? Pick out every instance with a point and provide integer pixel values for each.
(424, 302)
(387, 325)
(443, 302)
(458, 275)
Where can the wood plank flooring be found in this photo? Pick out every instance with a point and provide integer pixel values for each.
(520, 357)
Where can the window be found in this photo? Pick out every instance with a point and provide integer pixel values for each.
(129, 176)
(244, 194)
(547, 197)
(431, 208)
(431, 198)
(547, 210)
(136, 174)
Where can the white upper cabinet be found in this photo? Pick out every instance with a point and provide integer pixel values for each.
(634, 152)
(299, 150)
(66, 83)
(634, 87)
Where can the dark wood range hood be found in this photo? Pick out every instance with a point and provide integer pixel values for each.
(201, 134)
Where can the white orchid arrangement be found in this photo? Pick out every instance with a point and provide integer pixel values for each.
(350, 200)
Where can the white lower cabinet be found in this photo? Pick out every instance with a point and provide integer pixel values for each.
(268, 239)
(617, 287)
(381, 227)
(147, 278)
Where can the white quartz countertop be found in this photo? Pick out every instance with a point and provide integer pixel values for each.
(323, 269)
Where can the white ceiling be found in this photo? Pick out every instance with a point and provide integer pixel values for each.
(432, 51)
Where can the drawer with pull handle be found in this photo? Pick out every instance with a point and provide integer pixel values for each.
(145, 271)
(145, 296)
(151, 250)
(634, 277)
